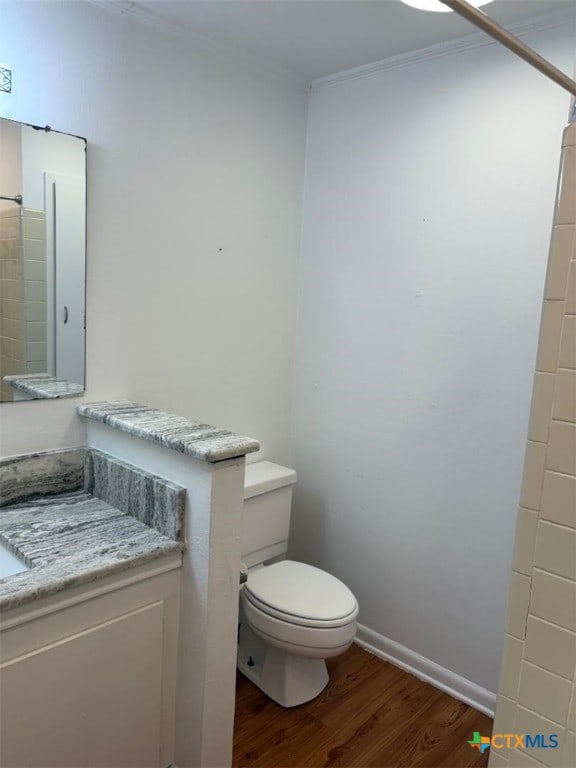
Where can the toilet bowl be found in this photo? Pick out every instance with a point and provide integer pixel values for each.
(293, 616)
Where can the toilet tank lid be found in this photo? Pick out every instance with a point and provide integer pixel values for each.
(265, 476)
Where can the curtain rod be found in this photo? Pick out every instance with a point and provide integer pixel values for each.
(492, 28)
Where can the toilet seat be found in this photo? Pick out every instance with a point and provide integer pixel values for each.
(305, 640)
(301, 594)
(300, 621)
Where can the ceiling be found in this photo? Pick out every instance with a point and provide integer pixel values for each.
(314, 38)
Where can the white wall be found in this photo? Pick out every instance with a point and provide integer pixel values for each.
(188, 154)
(10, 162)
(428, 207)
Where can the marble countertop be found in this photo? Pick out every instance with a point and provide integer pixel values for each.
(42, 386)
(201, 441)
(69, 540)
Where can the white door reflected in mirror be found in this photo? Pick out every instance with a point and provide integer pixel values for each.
(42, 262)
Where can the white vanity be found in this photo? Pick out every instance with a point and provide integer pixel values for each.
(88, 677)
(118, 639)
(89, 612)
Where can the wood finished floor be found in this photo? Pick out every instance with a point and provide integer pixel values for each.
(370, 714)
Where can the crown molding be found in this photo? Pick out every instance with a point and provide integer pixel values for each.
(439, 50)
(131, 9)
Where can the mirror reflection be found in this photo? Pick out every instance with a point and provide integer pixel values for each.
(42, 262)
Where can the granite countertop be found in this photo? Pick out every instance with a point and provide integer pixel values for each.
(201, 441)
(72, 539)
(43, 386)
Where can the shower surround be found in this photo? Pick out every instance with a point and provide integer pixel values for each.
(23, 285)
(537, 688)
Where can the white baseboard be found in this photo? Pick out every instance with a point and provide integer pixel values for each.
(459, 687)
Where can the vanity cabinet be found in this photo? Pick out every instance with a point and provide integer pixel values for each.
(88, 677)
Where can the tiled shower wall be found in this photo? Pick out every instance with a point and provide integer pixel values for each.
(34, 287)
(10, 296)
(537, 688)
(22, 294)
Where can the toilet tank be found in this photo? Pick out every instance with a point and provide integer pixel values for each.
(266, 514)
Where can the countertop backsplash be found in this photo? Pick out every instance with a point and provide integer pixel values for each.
(152, 500)
(76, 516)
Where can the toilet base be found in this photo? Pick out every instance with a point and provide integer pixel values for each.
(287, 679)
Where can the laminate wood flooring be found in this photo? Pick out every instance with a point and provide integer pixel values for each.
(371, 715)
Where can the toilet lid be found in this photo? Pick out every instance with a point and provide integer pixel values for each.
(302, 591)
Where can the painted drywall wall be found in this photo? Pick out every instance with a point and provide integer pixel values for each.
(10, 162)
(428, 208)
(195, 175)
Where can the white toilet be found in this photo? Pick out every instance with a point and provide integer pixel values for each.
(292, 615)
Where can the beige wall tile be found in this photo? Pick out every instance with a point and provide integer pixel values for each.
(569, 135)
(10, 366)
(510, 670)
(555, 549)
(525, 539)
(569, 750)
(11, 348)
(550, 647)
(534, 463)
(10, 289)
(566, 203)
(496, 760)
(6, 392)
(565, 395)
(35, 229)
(550, 332)
(544, 693)
(36, 250)
(33, 213)
(518, 598)
(34, 270)
(35, 290)
(12, 328)
(36, 350)
(559, 499)
(572, 713)
(542, 400)
(562, 448)
(10, 309)
(530, 722)
(519, 759)
(35, 311)
(553, 599)
(36, 366)
(505, 715)
(36, 332)
(559, 261)
(570, 306)
(10, 228)
(567, 357)
(10, 269)
(10, 211)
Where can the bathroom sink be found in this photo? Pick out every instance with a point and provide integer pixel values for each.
(9, 563)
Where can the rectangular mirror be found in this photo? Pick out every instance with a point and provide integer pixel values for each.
(42, 262)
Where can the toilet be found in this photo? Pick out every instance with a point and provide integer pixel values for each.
(293, 616)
